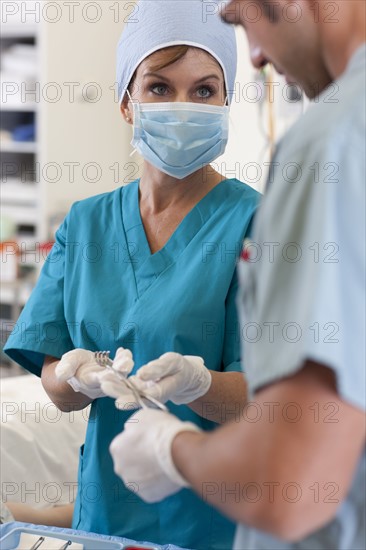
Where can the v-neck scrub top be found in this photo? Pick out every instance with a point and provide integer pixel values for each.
(101, 288)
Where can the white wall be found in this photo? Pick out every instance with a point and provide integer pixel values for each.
(75, 129)
(246, 150)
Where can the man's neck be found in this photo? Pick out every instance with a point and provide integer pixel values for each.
(342, 38)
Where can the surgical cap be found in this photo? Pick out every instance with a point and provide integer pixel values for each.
(157, 24)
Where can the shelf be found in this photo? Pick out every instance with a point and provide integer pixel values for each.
(22, 30)
(28, 242)
(20, 214)
(20, 201)
(19, 106)
(15, 292)
(17, 192)
(18, 147)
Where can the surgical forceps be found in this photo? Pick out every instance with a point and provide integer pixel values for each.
(103, 359)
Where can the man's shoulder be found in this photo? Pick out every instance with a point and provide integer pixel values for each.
(337, 117)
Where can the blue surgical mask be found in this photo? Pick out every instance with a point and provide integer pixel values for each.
(180, 138)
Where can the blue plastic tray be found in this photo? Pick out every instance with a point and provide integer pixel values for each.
(11, 539)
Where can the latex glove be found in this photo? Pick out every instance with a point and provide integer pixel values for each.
(113, 386)
(80, 370)
(178, 378)
(142, 454)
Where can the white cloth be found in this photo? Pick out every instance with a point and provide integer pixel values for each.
(39, 445)
(27, 540)
(5, 515)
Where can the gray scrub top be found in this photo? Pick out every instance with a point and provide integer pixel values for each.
(303, 287)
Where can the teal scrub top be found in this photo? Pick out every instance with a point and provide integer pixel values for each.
(101, 288)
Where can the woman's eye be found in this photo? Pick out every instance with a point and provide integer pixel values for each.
(159, 89)
(205, 92)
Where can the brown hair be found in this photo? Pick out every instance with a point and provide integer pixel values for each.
(169, 55)
(165, 57)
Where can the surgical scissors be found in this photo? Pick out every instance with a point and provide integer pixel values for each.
(103, 359)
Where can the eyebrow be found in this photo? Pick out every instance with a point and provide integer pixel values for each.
(157, 75)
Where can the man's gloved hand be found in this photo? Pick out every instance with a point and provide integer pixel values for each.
(177, 378)
(113, 386)
(80, 369)
(142, 454)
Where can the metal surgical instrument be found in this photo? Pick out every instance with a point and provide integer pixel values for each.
(103, 359)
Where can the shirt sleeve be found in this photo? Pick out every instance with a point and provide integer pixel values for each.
(302, 289)
(42, 328)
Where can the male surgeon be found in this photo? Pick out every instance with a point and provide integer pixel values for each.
(291, 468)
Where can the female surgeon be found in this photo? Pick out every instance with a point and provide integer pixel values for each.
(150, 268)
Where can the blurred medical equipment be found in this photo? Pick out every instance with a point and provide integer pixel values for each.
(280, 106)
(102, 358)
(264, 80)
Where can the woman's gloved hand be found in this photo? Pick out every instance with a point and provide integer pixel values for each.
(175, 377)
(80, 370)
(142, 454)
